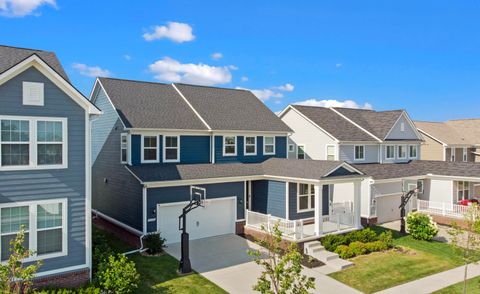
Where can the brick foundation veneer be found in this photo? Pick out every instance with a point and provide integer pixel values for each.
(239, 228)
(367, 222)
(64, 280)
(442, 220)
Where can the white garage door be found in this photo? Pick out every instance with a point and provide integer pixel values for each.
(387, 208)
(216, 218)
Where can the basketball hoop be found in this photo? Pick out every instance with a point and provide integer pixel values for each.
(199, 195)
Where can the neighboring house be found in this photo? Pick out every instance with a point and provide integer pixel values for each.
(45, 165)
(385, 145)
(453, 140)
(156, 140)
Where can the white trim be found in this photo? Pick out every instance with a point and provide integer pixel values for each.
(164, 149)
(88, 192)
(245, 199)
(212, 148)
(432, 137)
(304, 151)
(53, 76)
(118, 223)
(142, 160)
(355, 124)
(334, 151)
(309, 195)
(63, 270)
(410, 154)
(245, 146)
(224, 145)
(32, 230)
(293, 147)
(265, 145)
(346, 166)
(190, 105)
(33, 143)
(398, 151)
(355, 153)
(144, 209)
(97, 81)
(465, 154)
(453, 154)
(27, 99)
(386, 152)
(287, 200)
(122, 135)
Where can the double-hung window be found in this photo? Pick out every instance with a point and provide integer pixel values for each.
(359, 152)
(44, 223)
(268, 145)
(300, 152)
(412, 151)
(229, 145)
(463, 190)
(401, 152)
(305, 197)
(465, 154)
(171, 148)
(123, 148)
(150, 149)
(33, 142)
(390, 152)
(250, 143)
(452, 154)
(330, 152)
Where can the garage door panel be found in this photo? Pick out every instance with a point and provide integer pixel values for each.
(216, 218)
(387, 208)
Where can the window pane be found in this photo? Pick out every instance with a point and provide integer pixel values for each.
(269, 140)
(15, 154)
(303, 202)
(330, 150)
(15, 130)
(312, 202)
(171, 154)
(303, 189)
(150, 154)
(49, 215)
(250, 149)
(13, 218)
(49, 131)
(49, 241)
(229, 149)
(124, 155)
(49, 154)
(230, 140)
(150, 141)
(250, 140)
(269, 149)
(5, 244)
(171, 141)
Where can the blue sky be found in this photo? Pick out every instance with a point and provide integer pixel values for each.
(423, 56)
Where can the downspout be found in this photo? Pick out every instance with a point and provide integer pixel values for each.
(144, 222)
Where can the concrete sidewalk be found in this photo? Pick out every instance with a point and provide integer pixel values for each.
(435, 282)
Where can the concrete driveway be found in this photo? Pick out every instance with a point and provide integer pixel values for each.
(224, 261)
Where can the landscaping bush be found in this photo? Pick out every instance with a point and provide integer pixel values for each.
(376, 246)
(154, 243)
(386, 237)
(101, 249)
(86, 290)
(344, 252)
(357, 248)
(118, 275)
(421, 226)
(331, 242)
(364, 236)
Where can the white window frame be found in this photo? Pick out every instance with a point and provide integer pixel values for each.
(334, 151)
(265, 145)
(291, 148)
(463, 190)
(355, 153)
(304, 151)
(143, 149)
(122, 135)
(410, 153)
(405, 151)
(465, 154)
(386, 151)
(33, 143)
(453, 154)
(26, 99)
(164, 149)
(423, 186)
(224, 145)
(245, 146)
(309, 195)
(32, 230)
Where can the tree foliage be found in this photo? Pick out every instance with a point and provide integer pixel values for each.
(282, 270)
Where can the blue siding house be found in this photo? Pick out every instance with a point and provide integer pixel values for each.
(154, 141)
(45, 164)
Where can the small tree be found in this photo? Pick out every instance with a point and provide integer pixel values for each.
(282, 270)
(467, 240)
(118, 275)
(14, 277)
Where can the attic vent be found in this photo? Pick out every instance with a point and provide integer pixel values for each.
(33, 93)
(402, 127)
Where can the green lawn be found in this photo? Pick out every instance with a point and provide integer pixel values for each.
(473, 286)
(158, 273)
(382, 270)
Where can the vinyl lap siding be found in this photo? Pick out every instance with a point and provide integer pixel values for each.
(269, 197)
(31, 185)
(397, 134)
(431, 149)
(194, 149)
(347, 153)
(292, 198)
(103, 125)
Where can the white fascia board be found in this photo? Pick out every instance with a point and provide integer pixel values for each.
(191, 107)
(453, 178)
(433, 138)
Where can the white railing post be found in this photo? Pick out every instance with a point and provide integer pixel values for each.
(338, 222)
(246, 217)
(418, 205)
(443, 209)
(295, 230)
(301, 229)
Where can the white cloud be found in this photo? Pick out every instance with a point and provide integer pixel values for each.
(176, 31)
(334, 103)
(127, 57)
(171, 70)
(91, 71)
(19, 8)
(287, 87)
(216, 55)
(264, 94)
(244, 78)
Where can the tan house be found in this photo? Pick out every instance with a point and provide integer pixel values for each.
(453, 140)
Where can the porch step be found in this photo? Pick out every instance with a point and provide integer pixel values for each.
(326, 256)
(340, 264)
(331, 259)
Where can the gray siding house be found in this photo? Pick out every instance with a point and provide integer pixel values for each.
(45, 164)
(155, 141)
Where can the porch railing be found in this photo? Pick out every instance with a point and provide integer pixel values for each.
(441, 208)
(293, 229)
(338, 222)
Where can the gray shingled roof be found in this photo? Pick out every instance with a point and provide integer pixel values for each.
(306, 169)
(415, 168)
(232, 109)
(379, 123)
(11, 56)
(150, 105)
(453, 132)
(334, 124)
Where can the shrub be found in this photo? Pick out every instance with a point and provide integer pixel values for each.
(357, 248)
(331, 242)
(86, 290)
(118, 275)
(101, 249)
(421, 226)
(364, 236)
(344, 252)
(386, 237)
(154, 243)
(375, 246)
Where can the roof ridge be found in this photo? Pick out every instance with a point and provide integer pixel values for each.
(135, 81)
(24, 48)
(213, 87)
(363, 129)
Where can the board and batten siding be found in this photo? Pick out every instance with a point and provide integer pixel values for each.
(280, 150)
(347, 153)
(305, 133)
(182, 194)
(31, 185)
(115, 192)
(269, 197)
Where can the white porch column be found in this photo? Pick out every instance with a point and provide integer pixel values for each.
(318, 210)
(357, 209)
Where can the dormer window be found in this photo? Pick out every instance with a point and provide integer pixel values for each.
(33, 94)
